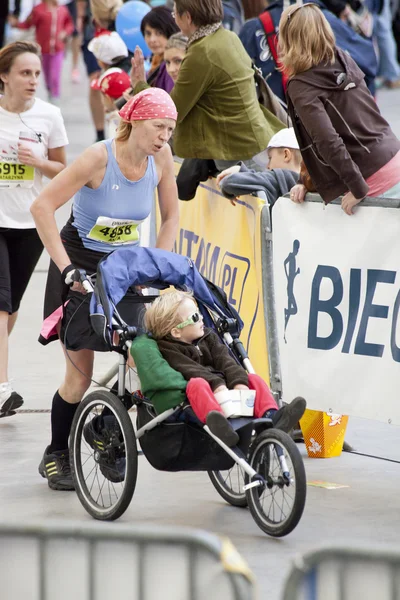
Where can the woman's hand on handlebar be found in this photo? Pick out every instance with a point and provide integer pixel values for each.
(76, 279)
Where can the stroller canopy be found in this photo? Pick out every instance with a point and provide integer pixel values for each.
(133, 266)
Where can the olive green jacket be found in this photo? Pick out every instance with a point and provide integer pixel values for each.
(219, 116)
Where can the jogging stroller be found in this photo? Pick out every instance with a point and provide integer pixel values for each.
(264, 471)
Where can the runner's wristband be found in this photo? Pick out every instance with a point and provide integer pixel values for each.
(66, 271)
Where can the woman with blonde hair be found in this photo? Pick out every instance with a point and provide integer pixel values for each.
(174, 53)
(347, 146)
(113, 184)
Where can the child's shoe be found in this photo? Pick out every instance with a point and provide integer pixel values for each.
(220, 427)
(288, 416)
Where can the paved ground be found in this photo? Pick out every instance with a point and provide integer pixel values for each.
(364, 512)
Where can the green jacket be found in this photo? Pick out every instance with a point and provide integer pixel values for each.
(164, 386)
(219, 116)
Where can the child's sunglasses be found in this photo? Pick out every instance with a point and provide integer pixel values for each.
(194, 318)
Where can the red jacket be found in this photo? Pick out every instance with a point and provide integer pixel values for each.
(52, 23)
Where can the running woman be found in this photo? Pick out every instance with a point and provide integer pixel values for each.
(32, 145)
(113, 184)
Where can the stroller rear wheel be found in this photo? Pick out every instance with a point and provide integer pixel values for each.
(277, 508)
(229, 485)
(103, 455)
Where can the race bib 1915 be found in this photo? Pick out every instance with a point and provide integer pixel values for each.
(14, 174)
(115, 231)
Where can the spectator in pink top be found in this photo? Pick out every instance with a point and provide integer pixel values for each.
(53, 24)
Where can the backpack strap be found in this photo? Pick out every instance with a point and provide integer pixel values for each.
(272, 39)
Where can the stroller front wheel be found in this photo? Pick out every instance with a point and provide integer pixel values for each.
(103, 455)
(277, 508)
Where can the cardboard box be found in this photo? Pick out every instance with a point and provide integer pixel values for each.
(237, 403)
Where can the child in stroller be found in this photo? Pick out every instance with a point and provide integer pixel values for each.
(175, 322)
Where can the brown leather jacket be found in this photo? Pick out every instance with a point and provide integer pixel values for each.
(343, 137)
(207, 357)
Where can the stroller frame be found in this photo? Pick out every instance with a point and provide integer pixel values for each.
(259, 433)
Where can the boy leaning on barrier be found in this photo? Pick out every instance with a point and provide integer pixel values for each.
(282, 159)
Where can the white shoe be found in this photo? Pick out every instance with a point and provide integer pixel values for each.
(9, 400)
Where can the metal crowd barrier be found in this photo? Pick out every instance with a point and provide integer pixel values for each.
(61, 561)
(345, 574)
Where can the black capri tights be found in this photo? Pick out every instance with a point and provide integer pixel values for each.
(20, 250)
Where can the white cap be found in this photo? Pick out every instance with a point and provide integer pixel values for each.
(108, 46)
(285, 138)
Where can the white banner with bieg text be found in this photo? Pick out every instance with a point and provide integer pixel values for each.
(337, 284)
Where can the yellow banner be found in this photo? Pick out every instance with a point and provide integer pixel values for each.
(224, 242)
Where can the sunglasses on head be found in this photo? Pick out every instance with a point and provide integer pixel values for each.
(194, 318)
(299, 7)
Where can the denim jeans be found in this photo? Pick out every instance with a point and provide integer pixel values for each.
(389, 68)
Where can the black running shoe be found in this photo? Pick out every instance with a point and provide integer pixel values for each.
(104, 436)
(289, 415)
(220, 426)
(54, 467)
(9, 406)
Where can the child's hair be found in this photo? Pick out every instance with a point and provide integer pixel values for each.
(178, 40)
(305, 38)
(295, 153)
(297, 156)
(162, 315)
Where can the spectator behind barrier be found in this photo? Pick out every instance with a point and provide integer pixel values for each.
(174, 53)
(253, 36)
(347, 146)
(110, 50)
(282, 174)
(157, 26)
(219, 116)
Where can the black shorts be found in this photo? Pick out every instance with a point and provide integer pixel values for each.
(76, 331)
(20, 250)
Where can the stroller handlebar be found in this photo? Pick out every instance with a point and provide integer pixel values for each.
(79, 276)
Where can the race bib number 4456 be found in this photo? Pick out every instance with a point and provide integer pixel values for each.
(115, 231)
(14, 173)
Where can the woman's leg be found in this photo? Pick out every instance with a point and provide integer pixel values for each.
(18, 257)
(76, 382)
(55, 465)
(5, 304)
(12, 319)
(264, 399)
(3, 346)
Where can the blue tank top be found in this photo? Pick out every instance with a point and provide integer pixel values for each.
(109, 217)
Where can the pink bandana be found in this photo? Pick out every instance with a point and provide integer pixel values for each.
(153, 103)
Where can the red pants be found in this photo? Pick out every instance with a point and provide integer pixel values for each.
(202, 399)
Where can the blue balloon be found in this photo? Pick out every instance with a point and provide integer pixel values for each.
(127, 24)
